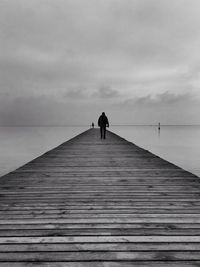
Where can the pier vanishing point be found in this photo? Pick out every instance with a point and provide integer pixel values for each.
(99, 203)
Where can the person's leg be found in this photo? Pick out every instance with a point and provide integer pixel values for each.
(101, 131)
(104, 132)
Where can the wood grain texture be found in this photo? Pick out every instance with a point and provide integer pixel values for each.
(105, 203)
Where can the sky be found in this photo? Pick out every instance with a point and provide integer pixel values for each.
(64, 62)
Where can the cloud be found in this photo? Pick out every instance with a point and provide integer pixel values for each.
(76, 94)
(167, 108)
(163, 99)
(105, 92)
(146, 51)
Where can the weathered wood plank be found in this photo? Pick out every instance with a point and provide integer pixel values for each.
(101, 239)
(100, 225)
(100, 256)
(97, 211)
(104, 264)
(100, 220)
(100, 232)
(31, 247)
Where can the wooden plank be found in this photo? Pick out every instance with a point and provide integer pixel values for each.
(51, 247)
(92, 221)
(91, 226)
(100, 256)
(104, 264)
(98, 211)
(101, 239)
(100, 232)
(173, 218)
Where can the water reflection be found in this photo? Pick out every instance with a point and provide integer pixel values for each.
(158, 132)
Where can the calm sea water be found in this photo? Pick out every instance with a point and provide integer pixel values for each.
(19, 145)
(177, 144)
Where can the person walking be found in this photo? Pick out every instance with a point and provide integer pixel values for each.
(103, 123)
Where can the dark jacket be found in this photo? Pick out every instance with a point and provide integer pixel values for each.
(103, 121)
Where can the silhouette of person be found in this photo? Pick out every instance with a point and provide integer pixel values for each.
(92, 124)
(103, 123)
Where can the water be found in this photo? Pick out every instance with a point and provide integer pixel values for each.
(177, 144)
(19, 145)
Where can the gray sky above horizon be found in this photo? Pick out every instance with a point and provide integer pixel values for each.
(66, 61)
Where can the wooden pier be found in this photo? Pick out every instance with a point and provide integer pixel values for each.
(92, 202)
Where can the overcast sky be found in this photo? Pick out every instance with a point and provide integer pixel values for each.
(66, 61)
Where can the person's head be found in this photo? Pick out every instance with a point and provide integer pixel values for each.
(103, 113)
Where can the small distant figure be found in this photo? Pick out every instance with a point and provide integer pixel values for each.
(103, 123)
(159, 129)
(92, 124)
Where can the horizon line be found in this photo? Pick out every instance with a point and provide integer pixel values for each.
(87, 125)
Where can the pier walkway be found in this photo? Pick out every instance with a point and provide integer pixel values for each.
(92, 202)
